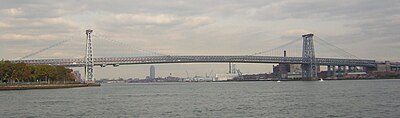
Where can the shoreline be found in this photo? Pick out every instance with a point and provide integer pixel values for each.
(318, 79)
(257, 80)
(43, 86)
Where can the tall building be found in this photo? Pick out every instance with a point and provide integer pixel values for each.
(77, 76)
(152, 72)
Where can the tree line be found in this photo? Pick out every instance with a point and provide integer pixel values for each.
(22, 72)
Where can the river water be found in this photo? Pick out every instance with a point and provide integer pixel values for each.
(347, 98)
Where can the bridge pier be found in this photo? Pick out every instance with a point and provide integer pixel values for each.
(339, 71)
(230, 68)
(329, 71)
(334, 71)
(355, 69)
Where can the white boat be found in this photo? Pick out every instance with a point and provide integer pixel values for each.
(321, 80)
(225, 77)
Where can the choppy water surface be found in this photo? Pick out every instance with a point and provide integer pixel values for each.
(359, 98)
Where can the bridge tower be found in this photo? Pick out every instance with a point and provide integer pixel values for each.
(309, 69)
(89, 57)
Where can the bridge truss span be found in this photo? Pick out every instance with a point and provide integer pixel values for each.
(116, 61)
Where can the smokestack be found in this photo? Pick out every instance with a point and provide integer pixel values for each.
(284, 53)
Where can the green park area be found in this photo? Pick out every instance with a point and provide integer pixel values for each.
(21, 73)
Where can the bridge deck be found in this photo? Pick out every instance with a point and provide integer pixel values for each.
(197, 59)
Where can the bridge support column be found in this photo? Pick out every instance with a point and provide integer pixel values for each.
(352, 69)
(309, 69)
(344, 70)
(341, 70)
(333, 71)
(329, 71)
(230, 68)
(89, 57)
(349, 68)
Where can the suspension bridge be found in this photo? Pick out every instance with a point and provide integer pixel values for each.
(308, 60)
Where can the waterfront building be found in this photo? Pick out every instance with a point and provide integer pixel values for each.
(289, 71)
(152, 72)
(77, 76)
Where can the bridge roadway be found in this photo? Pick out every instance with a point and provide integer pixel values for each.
(116, 61)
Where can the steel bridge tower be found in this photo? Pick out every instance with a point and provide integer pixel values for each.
(89, 57)
(309, 69)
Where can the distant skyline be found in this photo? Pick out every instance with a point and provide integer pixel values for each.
(152, 72)
(366, 28)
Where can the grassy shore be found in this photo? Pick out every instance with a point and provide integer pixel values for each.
(43, 86)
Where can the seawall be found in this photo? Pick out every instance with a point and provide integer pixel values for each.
(43, 86)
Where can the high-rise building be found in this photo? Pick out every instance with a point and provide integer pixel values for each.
(152, 72)
(77, 76)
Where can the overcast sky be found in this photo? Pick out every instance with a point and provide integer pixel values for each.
(366, 28)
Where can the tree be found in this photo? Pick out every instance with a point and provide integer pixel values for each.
(42, 72)
(34, 76)
(2, 71)
(21, 72)
(60, 74)
(70, 76)
(6, 69)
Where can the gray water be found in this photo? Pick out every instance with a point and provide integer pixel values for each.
(351, 98)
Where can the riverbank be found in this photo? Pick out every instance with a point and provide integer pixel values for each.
(43, 86)
(314, 80)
